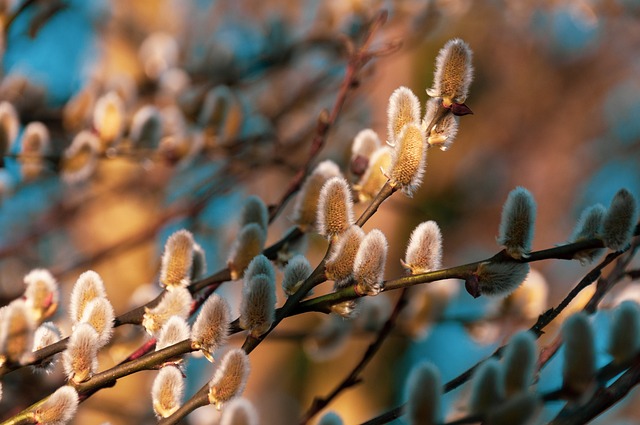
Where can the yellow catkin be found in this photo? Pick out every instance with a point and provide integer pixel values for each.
(177, 260)
(230, 378)
(409, 159)
(373, 179)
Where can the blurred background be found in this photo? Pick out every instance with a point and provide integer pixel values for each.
(235, 89)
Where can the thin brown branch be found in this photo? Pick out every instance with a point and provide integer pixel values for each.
(353, 378)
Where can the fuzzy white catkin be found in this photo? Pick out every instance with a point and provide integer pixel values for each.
(330, 418)
(88, 286)
(364, 145)
(409, 159)
(374, 177)
(35, 139)
(109, 117)
(424, 252)
(80, 159)
(211, 327)
(453, 73)
(589, 226)
(173, 303)
(158, 52)
(368, 266)
(16, 331)
(521, 409)
(177, 260)
(175, 329)
(305, 212)
(249, 243)
(254, 210)
(529, 300)
(620, 221)
(59, 408)
(424, 390)
(501, 278)
(339, 265)
(260, 265)
(335, 207)
(295, 273)
(41, 294)
(46, 334)
(403, 109)
(487, 388)
(166, 391)
(579, 353)
(624, 337)
(516, 223)
(100, 315)
(257, 308)
(519, 362)
(80, 359)
(199, 266)
(230, 378)
(239, 411)
(146, 127)
(443, 133)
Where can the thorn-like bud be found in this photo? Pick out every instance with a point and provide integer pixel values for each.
(239, 411)
(579, 354)
(305, 212)
(88, 287)
(403, 109)
(529, 300)
(618, 225)
(624, 338)
(368, 266)
(443, 133)
(249, 243)
(260, 265)
(41, 294)
(108, 118)
(329, 339)
(211, 328)
(80, 359)
(9, 125)
(409, 159)
(80, 159)
(339, 265)
(521, 409)
(146, 128)
(295, 273)
(364, 145)
(100, 315)
(335, 207)
(487, 391)
(453, 73)
(230, 378)
(519, 362)
(516, 224)
(254, 210)
(330, 418)
(424, 252)
(59, 408)
(497, 278)
(374, 177)
(589, 226)
(177, 260)
(176, 329)
(173, 303)
(166, 391)
(16, 332)
(424, 391)
(257, 308)
(199, 266)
